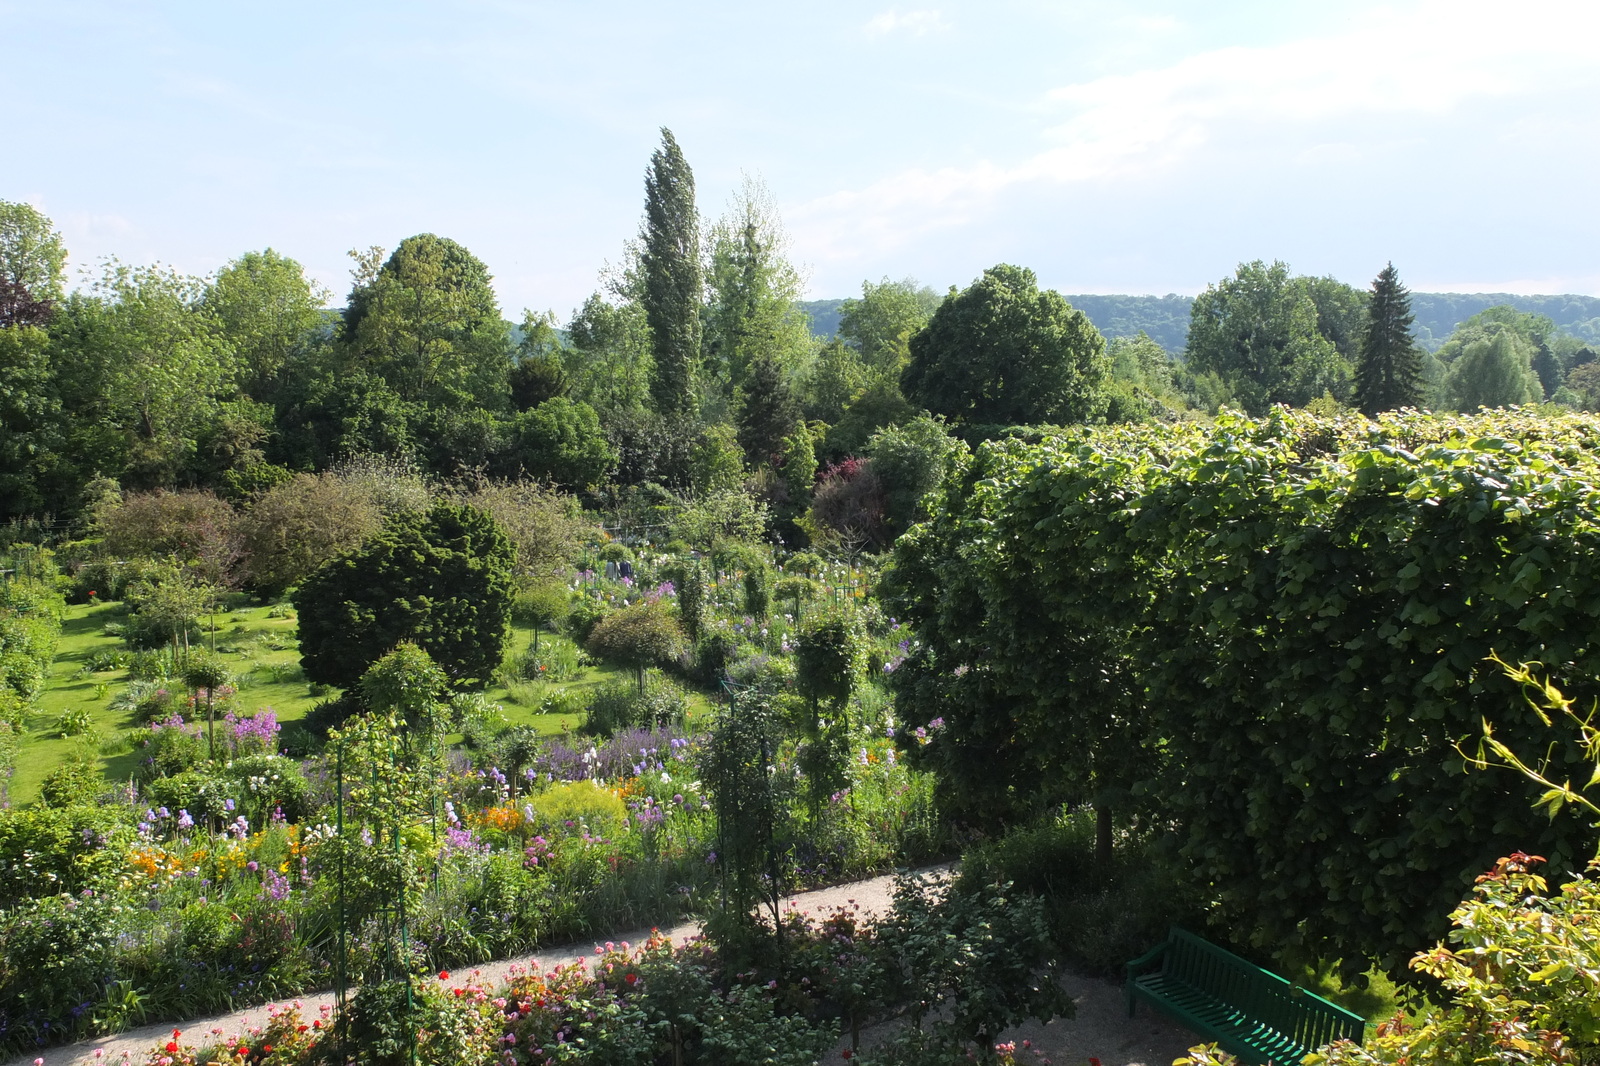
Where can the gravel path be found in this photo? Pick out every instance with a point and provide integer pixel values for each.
(1100, 1027)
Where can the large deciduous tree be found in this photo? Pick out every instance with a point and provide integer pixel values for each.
(1005, 352)
(268, 311)
(440, 578)
(609, 363)
(32, 432)
(671, 281)
(562, 442)
(150, 364)
(1492, 371)
(1258, 331)
(752, 312)
(880, 325)
(1390, 372)
(32, 264)
(426, 321)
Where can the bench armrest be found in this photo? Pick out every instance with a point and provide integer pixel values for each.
(1144, 962)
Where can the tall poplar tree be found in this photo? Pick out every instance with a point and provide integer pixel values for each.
(1390, 371)
(669, 261)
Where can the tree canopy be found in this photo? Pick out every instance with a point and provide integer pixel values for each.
(1258, 332)
(427, 323)
(1277, 632)
(1390, 371)
(672, 282)
(1003, 352)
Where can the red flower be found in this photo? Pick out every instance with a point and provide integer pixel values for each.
(444, 975)
(302, 1029)
(242, 1049)
(172, 1047)
(266, 1049)
(631, 978)
(847, 1053)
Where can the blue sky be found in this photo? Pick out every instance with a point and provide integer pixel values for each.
(1111, 147)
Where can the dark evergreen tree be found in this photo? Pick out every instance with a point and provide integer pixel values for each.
(767, 412)
(440, 578)
(669, 262)
(1390, 372)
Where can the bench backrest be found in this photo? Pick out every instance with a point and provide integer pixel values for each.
(1307, 1019)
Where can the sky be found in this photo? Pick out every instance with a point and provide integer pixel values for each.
(1110, 147)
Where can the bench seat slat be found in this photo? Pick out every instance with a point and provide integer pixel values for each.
(1252, 1012)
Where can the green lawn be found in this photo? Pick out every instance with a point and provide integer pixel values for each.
(263, 652)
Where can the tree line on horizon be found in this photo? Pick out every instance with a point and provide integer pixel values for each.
(691, 372)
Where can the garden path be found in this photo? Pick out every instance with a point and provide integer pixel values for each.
(1100, 1029)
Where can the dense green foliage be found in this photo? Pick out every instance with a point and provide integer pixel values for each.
(1166, 318)
(1389, 374)
(669, 262)
(1271, 633)
(440, 578)
(1259, 332)
(1004, 352)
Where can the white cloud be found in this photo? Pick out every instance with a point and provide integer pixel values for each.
(1297, 99)
(916, 23)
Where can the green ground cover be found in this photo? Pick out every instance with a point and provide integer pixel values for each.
(257, 642)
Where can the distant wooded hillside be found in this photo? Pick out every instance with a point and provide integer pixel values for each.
(1166, 318)
(824, 316)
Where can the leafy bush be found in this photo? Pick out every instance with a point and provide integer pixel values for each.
(585, 615)
(440, 578)
(75, 721)
(754, 667)
(152, 665)
(640, 635)
(103, 659)
(147, 701)
(72, 783)
(107, 579)
(301, 524)
(581, 803)
(620, 705)
(53, 849)
(713, 650)
(555, 661)
(1101, 914)
(975, 958)
(171, 747)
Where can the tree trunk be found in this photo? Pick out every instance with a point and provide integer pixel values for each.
(1102, 834)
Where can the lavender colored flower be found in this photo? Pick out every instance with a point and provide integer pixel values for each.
(465, 841)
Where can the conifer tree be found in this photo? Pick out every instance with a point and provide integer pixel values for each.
(1390, 373)
(767, 412)
(669, 261)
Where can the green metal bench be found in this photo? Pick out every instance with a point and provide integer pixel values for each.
(1248, 1011)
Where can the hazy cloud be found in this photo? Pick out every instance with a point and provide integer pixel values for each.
(1292, 100)
(917, 23)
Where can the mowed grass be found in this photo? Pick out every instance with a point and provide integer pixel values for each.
(258, 643)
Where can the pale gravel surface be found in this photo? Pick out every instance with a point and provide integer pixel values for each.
(1100, 1027)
